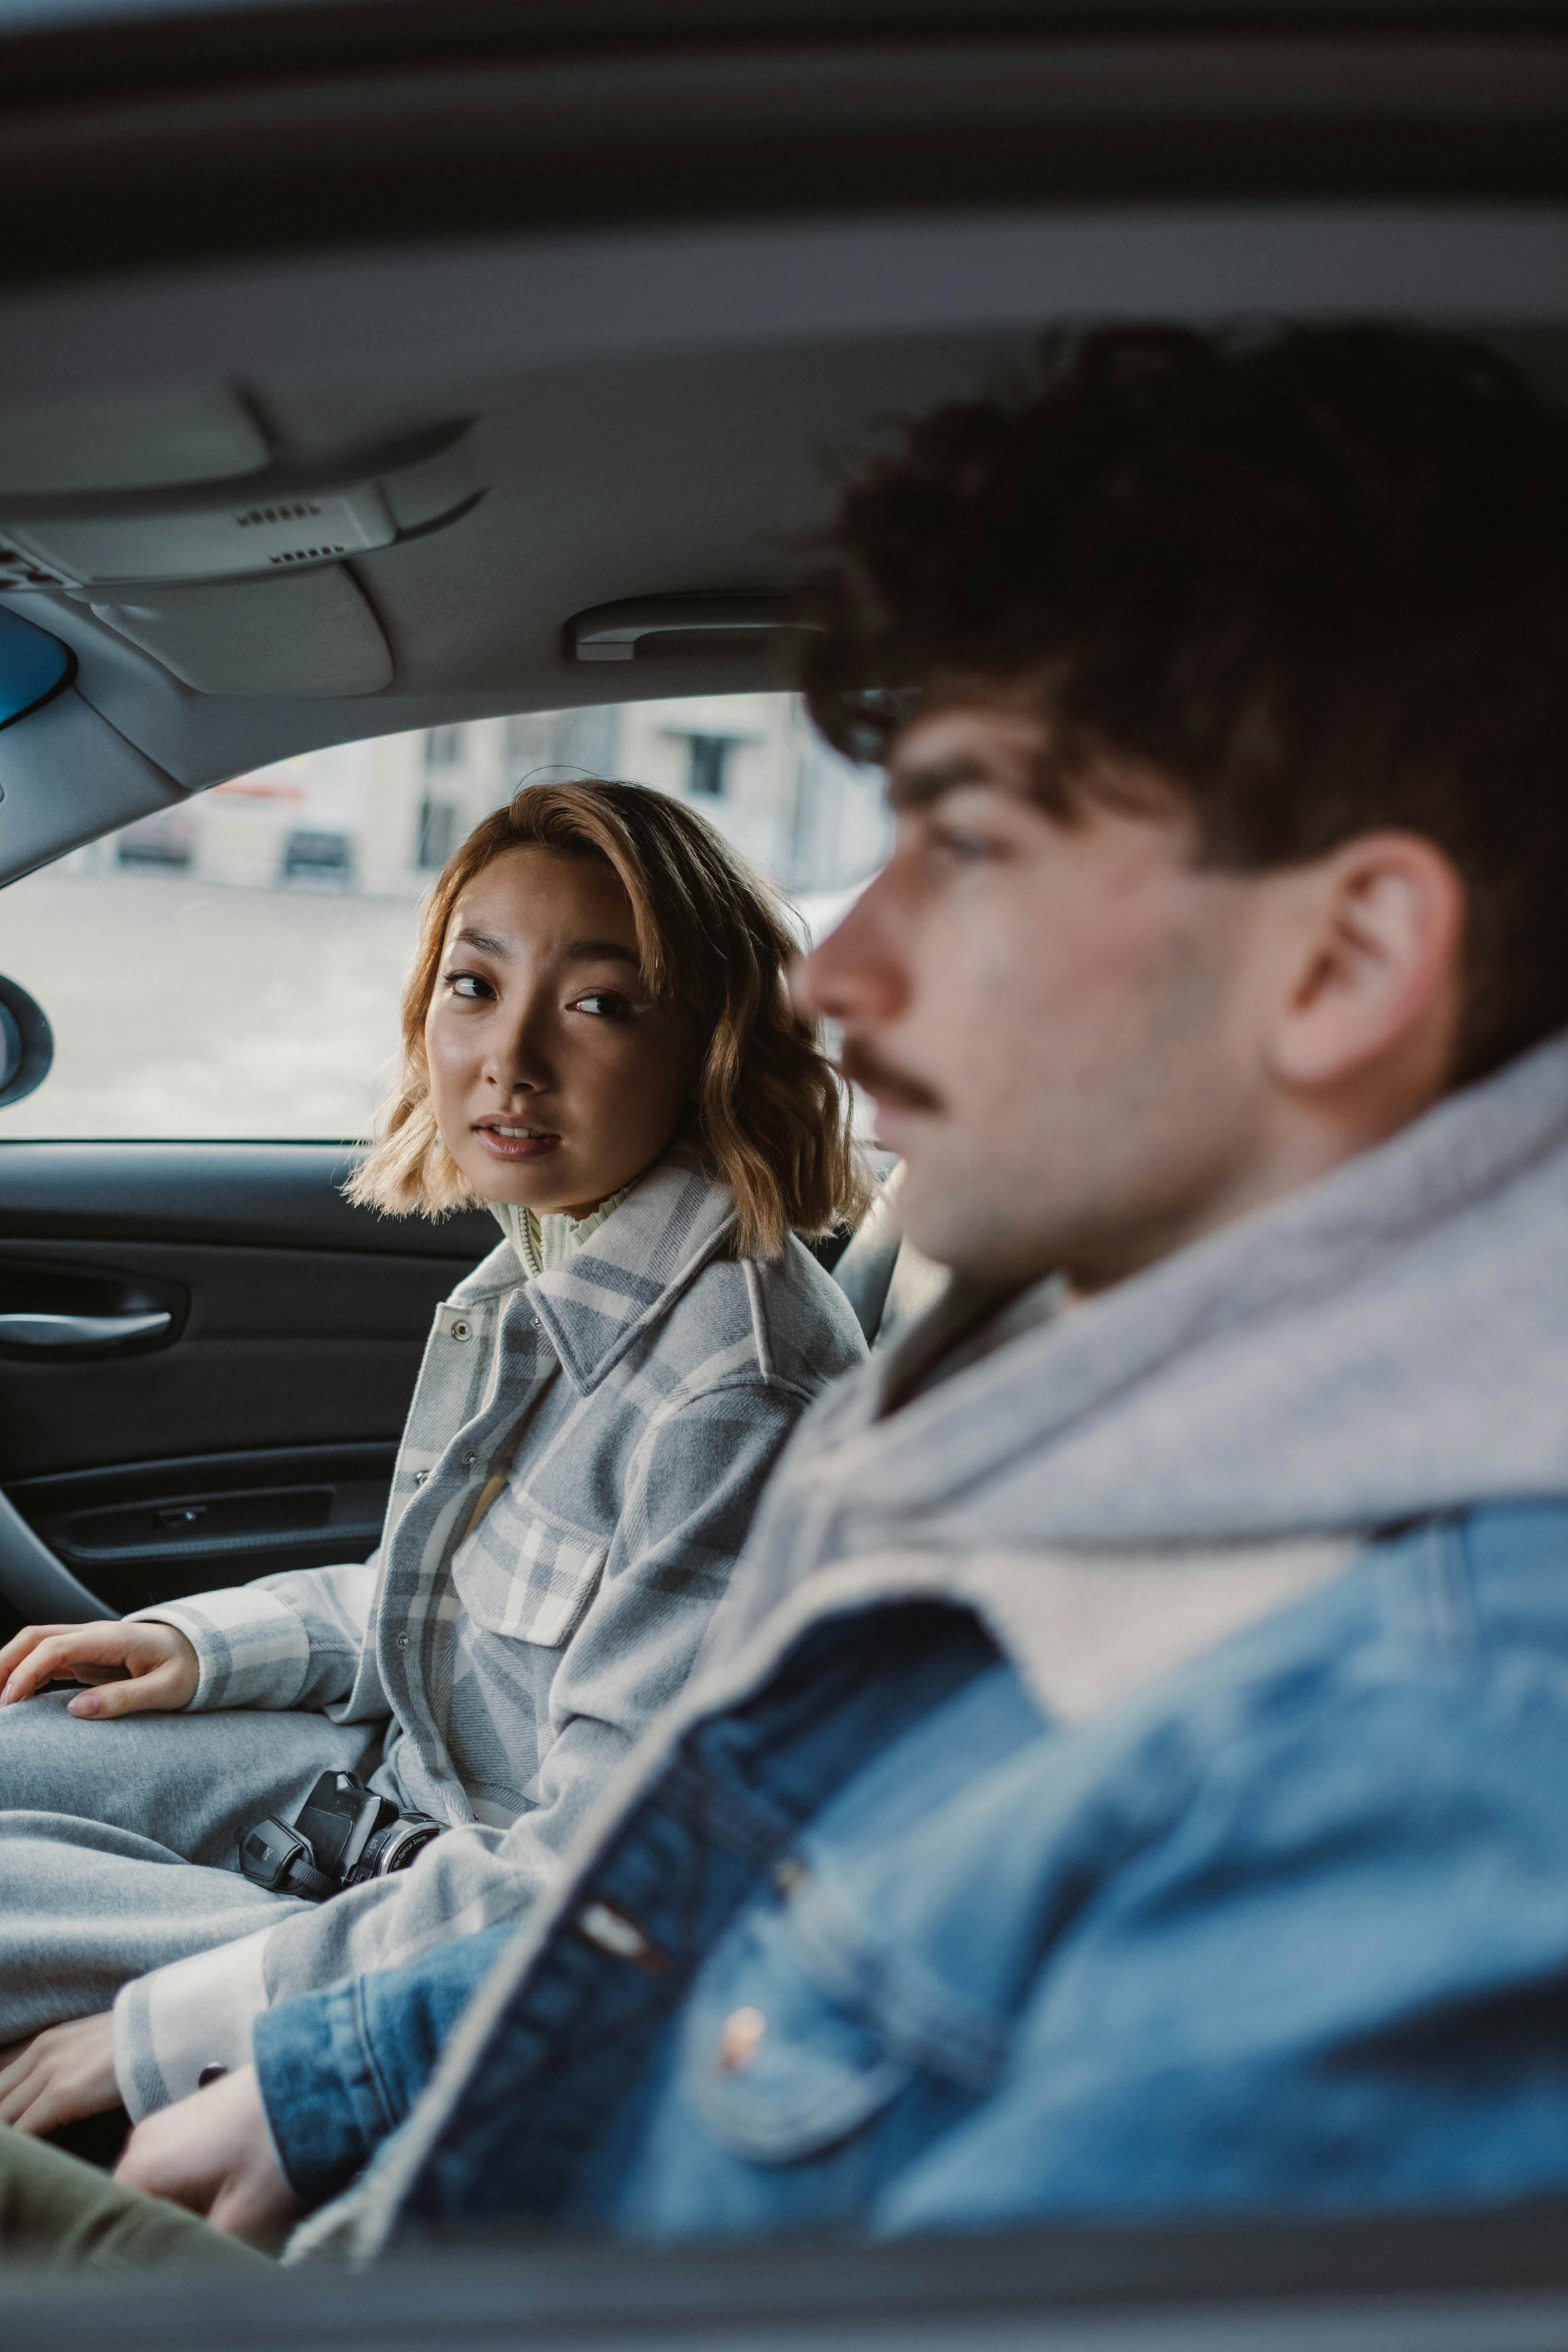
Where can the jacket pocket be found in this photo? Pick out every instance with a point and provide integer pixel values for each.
(525, 1576)
(772, 2068)
(804, 2026)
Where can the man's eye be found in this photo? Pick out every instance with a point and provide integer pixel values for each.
(963, 847)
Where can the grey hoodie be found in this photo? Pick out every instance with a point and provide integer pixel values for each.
(1386, 1342)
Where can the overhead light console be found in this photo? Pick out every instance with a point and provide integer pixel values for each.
(280, 518)
(239, 586)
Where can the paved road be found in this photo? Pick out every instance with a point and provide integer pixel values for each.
(181, 1008)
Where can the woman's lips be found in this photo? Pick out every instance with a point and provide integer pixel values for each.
(514, 1142)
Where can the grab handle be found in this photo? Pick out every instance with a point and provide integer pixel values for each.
(686, 624)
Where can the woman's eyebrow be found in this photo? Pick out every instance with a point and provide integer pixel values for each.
(486, 941)
(600, 952)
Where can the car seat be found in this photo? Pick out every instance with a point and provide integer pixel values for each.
(885, 1278)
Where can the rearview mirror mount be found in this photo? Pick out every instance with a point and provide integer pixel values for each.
(34, 667)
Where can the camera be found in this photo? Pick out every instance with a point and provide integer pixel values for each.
(342, 1835)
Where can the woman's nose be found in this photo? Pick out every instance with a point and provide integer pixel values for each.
(856, 974)
(518, 1061)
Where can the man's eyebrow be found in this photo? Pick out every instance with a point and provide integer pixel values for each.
(925, 781)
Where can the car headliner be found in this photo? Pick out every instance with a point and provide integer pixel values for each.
(654, 402)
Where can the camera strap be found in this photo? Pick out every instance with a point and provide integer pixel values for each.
(301, 1877)
(275, 1856)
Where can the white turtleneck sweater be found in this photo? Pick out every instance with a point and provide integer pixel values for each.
(545, 1243)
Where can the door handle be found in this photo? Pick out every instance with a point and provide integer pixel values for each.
(42, 1332)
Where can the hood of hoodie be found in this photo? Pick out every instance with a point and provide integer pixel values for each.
(1388, 1341)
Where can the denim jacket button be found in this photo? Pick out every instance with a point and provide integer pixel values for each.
(740, 2039)
(403, 1640)
(420, 1477)
(470, 1459)
(461, 1330)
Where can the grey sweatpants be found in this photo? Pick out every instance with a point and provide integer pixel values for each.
(119, 1841)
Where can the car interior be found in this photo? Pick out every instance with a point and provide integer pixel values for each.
(368, 368)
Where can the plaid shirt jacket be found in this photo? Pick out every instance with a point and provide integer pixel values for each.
(615, 1421)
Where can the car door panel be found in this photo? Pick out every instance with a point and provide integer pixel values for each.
(151, 1531)
(253, 1430)
(277, 1347)
(259, 1194)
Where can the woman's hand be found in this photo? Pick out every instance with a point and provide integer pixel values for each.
(212, 2153)
(136, 1668)
(61, 2075)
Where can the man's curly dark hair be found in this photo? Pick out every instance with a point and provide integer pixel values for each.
(1317, 583)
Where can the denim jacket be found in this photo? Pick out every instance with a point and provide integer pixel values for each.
(886, 1945)
(1231, 1867)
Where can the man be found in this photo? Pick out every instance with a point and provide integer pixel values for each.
(1127, 1776)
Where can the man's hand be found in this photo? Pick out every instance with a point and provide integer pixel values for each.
(213, 2153)
(61, 2075)
(136, 1669)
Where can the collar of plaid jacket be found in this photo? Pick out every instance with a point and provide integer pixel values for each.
(628, 1272)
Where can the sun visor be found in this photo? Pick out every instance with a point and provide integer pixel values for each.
(311, 634)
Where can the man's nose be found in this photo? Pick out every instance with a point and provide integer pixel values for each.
(857, 973)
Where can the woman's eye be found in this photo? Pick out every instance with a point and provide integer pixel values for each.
(469, 985)
(605, 1004)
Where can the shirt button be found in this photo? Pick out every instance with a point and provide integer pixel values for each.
(403, 1640)
(460, 1329)
(470, 1459)
(740, 2039)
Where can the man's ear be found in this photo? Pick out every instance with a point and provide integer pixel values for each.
(1374, 990)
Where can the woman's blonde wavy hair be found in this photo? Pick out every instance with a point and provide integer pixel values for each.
(714, 945)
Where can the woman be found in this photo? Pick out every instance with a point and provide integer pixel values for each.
(598, 1043)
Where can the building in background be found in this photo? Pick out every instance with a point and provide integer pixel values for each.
(271, 920)
(381, 818)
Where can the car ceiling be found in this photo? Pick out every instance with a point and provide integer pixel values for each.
(561, 415)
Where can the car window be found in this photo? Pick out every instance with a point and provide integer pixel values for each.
(231, 967)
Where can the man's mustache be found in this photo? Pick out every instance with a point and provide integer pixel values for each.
(895, 1088)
